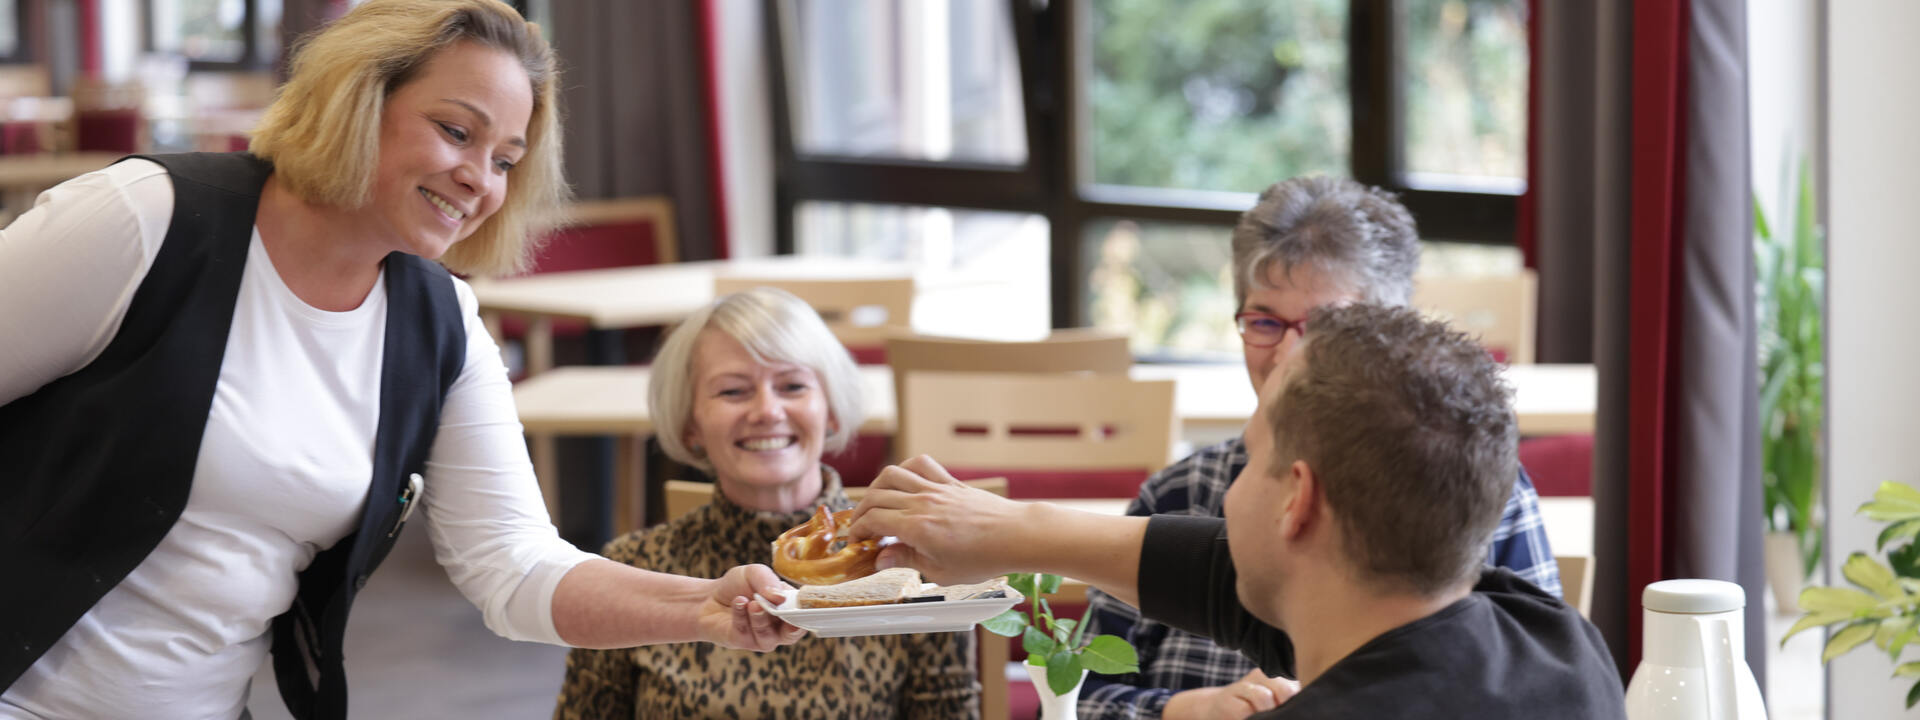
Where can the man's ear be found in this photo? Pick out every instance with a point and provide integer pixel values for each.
(1299, 510)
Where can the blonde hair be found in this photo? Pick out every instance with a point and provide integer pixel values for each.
(322, 131)
(774, 326)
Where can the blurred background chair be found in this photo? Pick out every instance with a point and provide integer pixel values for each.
(862, 312)
(1576, 580)
(1051, 435)
(1499, 309)
(621, 232)
(1063, 351)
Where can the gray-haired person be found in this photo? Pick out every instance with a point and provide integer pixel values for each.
(1308, 243)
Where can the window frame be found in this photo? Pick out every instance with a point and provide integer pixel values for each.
(1051, 183)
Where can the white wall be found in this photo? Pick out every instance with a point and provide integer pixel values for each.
(1783, 95)
(1873, 390)
(746, 128)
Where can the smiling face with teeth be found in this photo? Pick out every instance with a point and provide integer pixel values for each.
(761, 425)
(449, 137)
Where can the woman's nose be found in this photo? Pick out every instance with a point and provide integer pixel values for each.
(767, 406)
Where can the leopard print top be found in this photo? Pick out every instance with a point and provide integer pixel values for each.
(886, 676)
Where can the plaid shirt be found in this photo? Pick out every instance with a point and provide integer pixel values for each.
(1172, 660)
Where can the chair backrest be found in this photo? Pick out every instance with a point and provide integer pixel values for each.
(1063, 351)
(1499, 309)
(1051, 434)
(862, 312)
(611, 233)
(685, 495)
(1576, 580)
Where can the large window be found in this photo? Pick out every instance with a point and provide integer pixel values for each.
(1139, 130)
(216, 34)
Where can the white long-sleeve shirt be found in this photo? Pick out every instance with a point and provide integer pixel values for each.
(283, 468)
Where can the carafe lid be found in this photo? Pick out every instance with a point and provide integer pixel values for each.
(1693, 596)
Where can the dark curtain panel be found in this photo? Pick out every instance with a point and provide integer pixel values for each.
(1689, 462)
(636, 118)
(1580, 186)
(1717, 522)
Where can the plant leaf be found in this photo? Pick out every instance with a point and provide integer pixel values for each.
(1871, 575)
(1913, 695)
(1897, 530)
(1038, 643)
(1900, 641)
(1049, 584)
(1022, 583)
(1911, 669)
(1063, 630)
(1886, 630)
(1814, 620)
(1110, 655)
(1826, 599)
(1848, 638)
(1063, 671)
(1006, 624)
(1905, 560)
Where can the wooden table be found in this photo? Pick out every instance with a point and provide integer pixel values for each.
(1217, 399)
(627, 297)
(613, 400)
(1213, 402)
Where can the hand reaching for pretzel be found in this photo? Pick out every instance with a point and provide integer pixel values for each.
(819, 552)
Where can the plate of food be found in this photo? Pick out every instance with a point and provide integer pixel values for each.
(892, 602)
(841, 593)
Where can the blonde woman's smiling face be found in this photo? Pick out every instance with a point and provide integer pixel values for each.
(449, 138)
(761, 425)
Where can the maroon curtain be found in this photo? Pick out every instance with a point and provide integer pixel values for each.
(1691, 430)
(1659, 173)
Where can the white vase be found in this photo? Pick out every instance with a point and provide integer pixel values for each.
(1055, 707)
(1785, 570)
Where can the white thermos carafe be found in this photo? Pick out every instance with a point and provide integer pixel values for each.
(1693, 663)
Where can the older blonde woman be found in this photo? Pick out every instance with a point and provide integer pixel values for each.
(226, 381)
(752, 390)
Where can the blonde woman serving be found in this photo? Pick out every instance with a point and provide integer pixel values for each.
(227, 381)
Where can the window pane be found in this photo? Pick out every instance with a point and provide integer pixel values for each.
(1226, 95)
(992, 279)
(205, 30)
(9, 29)
(1168, 286)
(1465, 86)
(926, 80)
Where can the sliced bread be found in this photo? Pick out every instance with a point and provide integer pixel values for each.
(882, 588)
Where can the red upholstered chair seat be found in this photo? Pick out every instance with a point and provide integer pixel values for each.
(1560, 465)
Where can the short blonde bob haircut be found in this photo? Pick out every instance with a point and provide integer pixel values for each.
(322, 131)
(774, 326)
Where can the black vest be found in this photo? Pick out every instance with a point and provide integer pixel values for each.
(95, 467)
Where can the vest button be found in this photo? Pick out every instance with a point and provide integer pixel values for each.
(360, 583)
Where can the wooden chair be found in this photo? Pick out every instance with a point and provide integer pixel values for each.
(1052, 435)
(1064, 351)
(862, 312)
(597, 234)
(1576, 581)
(1499, 309)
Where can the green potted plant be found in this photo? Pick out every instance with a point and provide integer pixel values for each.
(1054, 646)
(1790, 293)
(1884, 603)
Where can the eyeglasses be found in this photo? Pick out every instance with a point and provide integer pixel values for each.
(1262, 330)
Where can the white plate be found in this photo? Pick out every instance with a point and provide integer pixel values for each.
(942, 616)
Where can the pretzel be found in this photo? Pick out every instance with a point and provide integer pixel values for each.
(806, 554)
